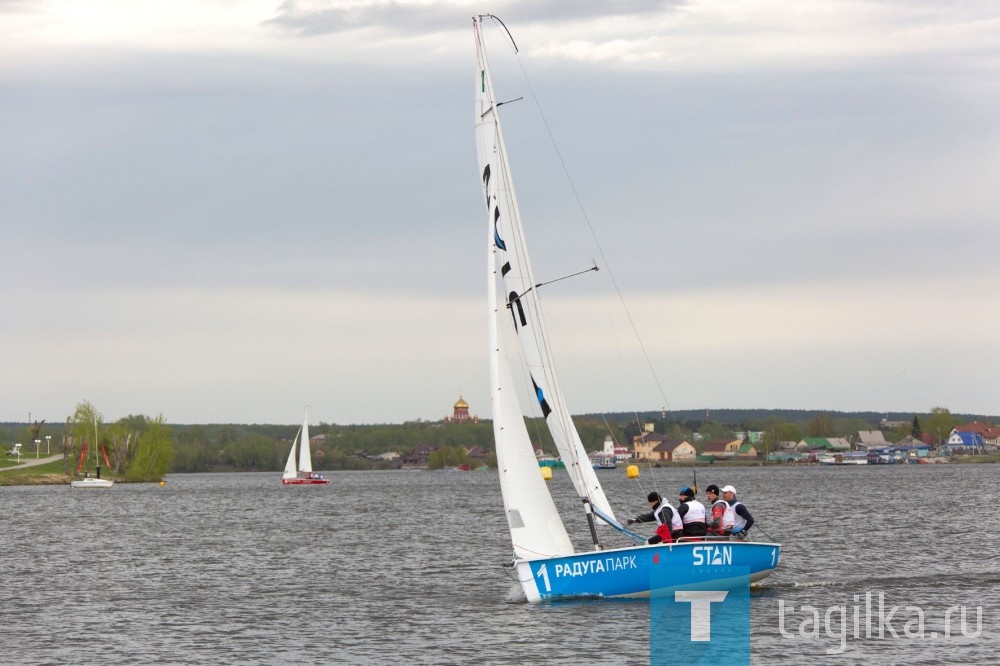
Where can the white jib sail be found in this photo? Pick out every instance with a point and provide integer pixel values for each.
(523, 306)
(290, 471)
(305, 459)
(536, 530)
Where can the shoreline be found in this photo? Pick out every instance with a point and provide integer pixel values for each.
(48, 477)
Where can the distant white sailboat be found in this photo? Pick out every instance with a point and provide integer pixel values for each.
(298, 468)
(92, 481)
(545, 560)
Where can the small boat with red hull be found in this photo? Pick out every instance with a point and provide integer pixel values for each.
(310, 479)
(298, 468)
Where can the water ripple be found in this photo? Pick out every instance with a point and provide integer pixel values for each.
(405, 567)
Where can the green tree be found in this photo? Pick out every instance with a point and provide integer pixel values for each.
(152, 452)
(252, 452)
(897, 433)
(915, 428)
(939, 424)
(777, 432)
(83, 426)
(712, 431)
(820, 426)
(677, 431)
(447, 456)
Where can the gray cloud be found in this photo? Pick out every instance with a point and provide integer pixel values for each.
(20, 6)
(400, 18)
(307, 208)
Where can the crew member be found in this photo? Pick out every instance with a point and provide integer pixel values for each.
(743, 521)
(668, 522)
(722, 518)
(692, 514)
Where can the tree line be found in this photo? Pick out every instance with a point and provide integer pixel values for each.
(141, 448)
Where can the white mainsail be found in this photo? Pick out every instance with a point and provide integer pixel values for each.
(523, 307)
(305, 459)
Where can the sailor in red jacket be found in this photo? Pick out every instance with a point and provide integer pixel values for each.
(723, 517)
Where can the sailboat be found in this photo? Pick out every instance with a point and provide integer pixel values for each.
(298, 468)
(544, 558)
(92, 481)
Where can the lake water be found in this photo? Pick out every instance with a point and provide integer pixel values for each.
(405, 568)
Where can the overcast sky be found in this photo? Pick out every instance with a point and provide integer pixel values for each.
(224, 210)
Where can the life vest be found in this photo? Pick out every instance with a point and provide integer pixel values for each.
(695, 512)
(675, 519)
(663, 530)
(739, 522)
(728, 516)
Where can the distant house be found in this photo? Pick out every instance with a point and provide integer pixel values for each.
(419, 456)
(674, 450)
(910, 447)
(722, 448)
(756, 436)
(388, 456)
(989, 433)
(618, 452)
(644, 444)
(317, 446)
(870, 439)
(964, 441)
(476, 453)
(542, 457)
(823, 444)
(746, 450)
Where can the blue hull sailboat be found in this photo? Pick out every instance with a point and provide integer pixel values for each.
(547, 564)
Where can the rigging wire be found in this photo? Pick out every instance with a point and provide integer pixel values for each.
(593, 234)
(568, 431)
(590, 226)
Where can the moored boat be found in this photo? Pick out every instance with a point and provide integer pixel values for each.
(92, 481)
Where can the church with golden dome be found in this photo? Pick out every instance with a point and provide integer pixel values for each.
(460, 413)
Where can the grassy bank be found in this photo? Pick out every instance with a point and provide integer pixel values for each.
(972, 460)
(40, 475)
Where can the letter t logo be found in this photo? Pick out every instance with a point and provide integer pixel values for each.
(701, 611)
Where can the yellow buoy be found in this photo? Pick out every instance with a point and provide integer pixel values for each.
(632, 471)
(163, 483)
(547, 473)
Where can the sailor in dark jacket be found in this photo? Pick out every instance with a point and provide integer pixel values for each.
(743, 521)
(668, 523)
(692, 513)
